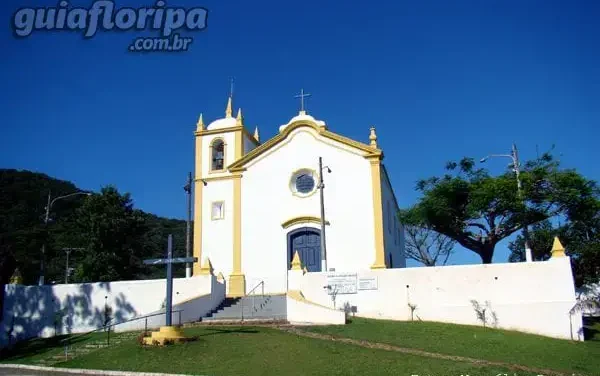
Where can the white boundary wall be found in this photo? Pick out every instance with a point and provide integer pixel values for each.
(535, 297)
(301, 312)
(34, 311)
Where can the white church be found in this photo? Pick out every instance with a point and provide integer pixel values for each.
(258, 203)
(258, 225)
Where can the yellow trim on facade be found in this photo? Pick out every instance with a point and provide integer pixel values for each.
(304, 219)
(237, 280)
(210, 160)
(239, 164)
(237, 286)
(216, 178)
(198, 185)
(377, 214)
(239, 144)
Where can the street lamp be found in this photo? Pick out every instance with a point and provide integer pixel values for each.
(323, 243)
(514, 156)
(46, 220)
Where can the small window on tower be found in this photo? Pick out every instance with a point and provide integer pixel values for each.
(218, 210)
(218, 155)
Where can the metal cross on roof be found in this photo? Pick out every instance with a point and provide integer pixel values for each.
(169, 261)
(302, 96)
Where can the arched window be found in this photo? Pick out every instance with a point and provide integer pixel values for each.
(218, 155)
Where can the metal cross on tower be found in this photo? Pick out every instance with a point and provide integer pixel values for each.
(302, 96)
(170, 260)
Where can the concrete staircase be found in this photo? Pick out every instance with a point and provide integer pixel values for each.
(249, 308)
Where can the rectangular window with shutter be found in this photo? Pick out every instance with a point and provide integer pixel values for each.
(218, 210)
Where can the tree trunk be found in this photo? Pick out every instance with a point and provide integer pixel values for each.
(486, 253)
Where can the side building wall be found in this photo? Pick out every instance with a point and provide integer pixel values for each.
(393, 233)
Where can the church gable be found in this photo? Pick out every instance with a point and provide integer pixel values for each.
(313, 126)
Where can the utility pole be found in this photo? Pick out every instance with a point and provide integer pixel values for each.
(188, 238)
(323, 242)
(43, 256)
(514, 156)
(46, 220)
(517, 169)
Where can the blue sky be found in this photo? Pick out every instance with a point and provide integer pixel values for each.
(440, 80)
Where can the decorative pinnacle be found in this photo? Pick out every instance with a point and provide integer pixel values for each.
(228, 108)
(220, 277)
(200, 124)
(296, 263)
(239, 118)
(557, 248)
(373, 137)
(256, 137)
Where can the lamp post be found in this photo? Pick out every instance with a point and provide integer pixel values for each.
(188, 231)
(323, 242)
(514, 156)
(46, 220)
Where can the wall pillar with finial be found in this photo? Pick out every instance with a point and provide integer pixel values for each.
(373, 138)
(375, 161)
(558, 251)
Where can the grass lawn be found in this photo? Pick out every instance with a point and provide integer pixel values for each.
(35, 350)
(478, 342)
(258, 351)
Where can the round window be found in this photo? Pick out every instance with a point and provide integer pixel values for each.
(303, 182)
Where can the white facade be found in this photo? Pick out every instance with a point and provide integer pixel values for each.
(270, 216)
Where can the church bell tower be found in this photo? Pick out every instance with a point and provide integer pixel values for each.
(217, 200)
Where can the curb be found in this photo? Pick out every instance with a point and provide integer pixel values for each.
(84, 371)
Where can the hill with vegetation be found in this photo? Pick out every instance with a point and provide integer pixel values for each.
(109, 236)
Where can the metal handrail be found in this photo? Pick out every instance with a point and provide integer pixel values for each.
(108, 325)
(262, 294)
(261, 283)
